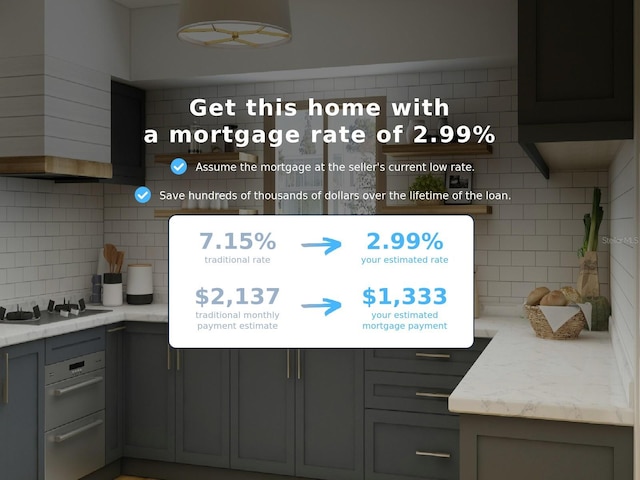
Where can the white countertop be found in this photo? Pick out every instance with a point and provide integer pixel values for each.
(518, 374)
(11, 334)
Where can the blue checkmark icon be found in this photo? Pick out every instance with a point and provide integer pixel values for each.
(178, 166)
(142, 195)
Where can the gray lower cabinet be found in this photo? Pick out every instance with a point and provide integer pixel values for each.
(176, 401)
(114, 391)
(149, 386)
(298, 412)
(504, 448)
(411, 445)
(329, 414)
(22, 411)
(202, 407)
(409, 431)
(262, 410)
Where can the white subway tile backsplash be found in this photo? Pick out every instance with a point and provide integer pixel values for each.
(511, 243)
(466, 90)
(535, 242)
(499, 289)
(523, 259)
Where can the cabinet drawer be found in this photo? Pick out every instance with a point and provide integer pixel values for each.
(73, 398)
(446, 361)
(71, 345)
(409, 392)
(411, 445)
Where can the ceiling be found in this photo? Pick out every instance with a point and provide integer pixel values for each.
(307, 58)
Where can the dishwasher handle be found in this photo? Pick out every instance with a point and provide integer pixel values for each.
(74, 433)
(63, 391)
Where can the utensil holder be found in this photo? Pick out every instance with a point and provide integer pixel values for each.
(112, 290)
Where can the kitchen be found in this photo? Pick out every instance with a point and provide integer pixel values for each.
(51, 232)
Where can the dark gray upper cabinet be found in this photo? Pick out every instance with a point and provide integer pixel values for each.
(22, 411)
(575, 72)
(127, 132)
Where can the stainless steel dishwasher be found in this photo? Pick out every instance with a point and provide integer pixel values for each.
(74, 417)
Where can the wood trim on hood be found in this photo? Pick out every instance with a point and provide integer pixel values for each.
(53, 167)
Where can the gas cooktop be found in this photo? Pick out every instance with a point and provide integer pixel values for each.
(53, 313)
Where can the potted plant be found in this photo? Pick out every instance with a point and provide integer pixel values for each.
(588, 281)
(428, 183)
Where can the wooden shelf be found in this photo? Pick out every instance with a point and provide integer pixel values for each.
(436, 149)
(213, 157)
(229, 211)
(437, 210)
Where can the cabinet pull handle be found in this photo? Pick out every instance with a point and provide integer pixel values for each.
(116, 329)
(58, 392)
(299, 365)
(432, 395)
(432, 355)
(178, 359)
(168, 357)
(288, 365)
(77, 431)
(5, 394)
(433, 454)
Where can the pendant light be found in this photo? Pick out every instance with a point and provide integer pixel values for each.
(235, 23)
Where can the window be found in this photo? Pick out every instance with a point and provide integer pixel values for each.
(314, 177)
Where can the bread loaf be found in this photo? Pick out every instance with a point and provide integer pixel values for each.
(536, 295)
(571, 294)
(554, 298)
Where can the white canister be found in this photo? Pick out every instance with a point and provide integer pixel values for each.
(112, 290)
(139, 284)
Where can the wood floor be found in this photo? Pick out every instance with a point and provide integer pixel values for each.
(127, 477)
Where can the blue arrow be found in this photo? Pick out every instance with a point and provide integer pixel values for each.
(330, 305)
(330, 243)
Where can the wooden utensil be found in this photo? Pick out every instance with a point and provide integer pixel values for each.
(110, 255)
(119, 260)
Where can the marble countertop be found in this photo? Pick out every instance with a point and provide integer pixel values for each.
(11, 334)
(518, 374)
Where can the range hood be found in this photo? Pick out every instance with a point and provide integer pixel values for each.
(54, 168)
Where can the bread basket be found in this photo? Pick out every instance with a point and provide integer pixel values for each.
(568, 330)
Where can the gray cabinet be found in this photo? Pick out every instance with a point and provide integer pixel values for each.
(114, 391)
(22, 411)
(202, 407)
(501, 448)
(329, 414)
(575, 73)
(149, 388)
(127, 134)
(411, 445)
(176, 401)
(298, 412)
(409, 431)
(262, 410)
